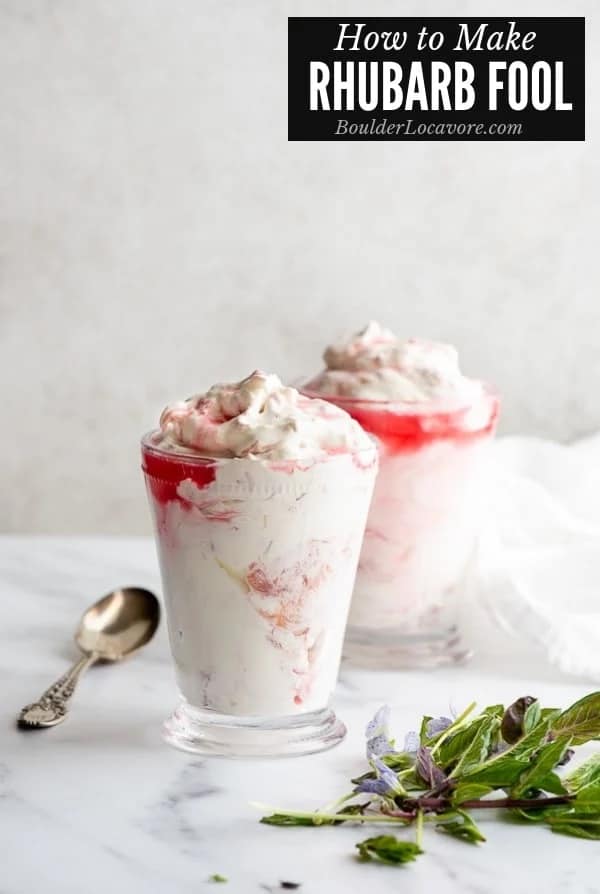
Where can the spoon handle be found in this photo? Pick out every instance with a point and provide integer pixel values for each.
(52, 707)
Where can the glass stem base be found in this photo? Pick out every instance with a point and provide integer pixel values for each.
(207, 732)
(396, 650)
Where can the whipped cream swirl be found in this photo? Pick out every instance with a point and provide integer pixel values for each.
(374, 364)
(258, 417)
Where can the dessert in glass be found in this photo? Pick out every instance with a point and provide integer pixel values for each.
(433, 426)
(259, 496)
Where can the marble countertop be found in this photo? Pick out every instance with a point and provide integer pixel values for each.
(100, 803)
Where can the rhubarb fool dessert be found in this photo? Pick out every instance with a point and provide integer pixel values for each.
(432, 425)
(259, 496)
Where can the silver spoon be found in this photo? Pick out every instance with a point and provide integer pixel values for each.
(114, 627)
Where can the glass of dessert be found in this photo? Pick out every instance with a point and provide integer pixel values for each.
(433, 426)
(259, 497)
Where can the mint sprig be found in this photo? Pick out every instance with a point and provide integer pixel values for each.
(508, 759)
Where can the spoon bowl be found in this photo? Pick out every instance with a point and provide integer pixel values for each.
(119, 624)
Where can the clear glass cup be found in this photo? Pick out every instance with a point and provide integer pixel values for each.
(258, 561)
(422, 529)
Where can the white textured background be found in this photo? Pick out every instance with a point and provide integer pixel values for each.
(158, 233)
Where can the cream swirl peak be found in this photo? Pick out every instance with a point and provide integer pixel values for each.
(374, 364)
(258, 418)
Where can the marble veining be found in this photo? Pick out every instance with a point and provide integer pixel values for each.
(100, 803)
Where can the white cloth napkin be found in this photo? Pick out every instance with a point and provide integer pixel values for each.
(538, 574)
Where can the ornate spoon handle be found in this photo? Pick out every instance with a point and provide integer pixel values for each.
(52, 707)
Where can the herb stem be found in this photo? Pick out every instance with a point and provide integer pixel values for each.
(319, 818)
(331, 808)
(433, 804)
(350, 817)
(407, 816)
(525, 803)
(419, 832)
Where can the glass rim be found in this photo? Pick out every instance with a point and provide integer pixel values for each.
(148, 446)
(489, 393)
(193, 457)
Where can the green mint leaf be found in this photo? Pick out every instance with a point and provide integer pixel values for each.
(499, 772)
(540, 766)
(400, 761)
(450, 751)
(584, 782)
(532, 717)
(216, 877)
(587, 799)
(581, 720)
(464, 827)
(388, 849)
(494, 711)
(553, 784)
(542, 814)
(478, 749)
(513, 720)
(469, 791)
(586, 774)
(531, 741)
(578, 826)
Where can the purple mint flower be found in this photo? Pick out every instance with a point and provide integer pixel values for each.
(386, 783)
(378, 746)
(411, 742)
(380, 722)
(437, 725)
(378, 734)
